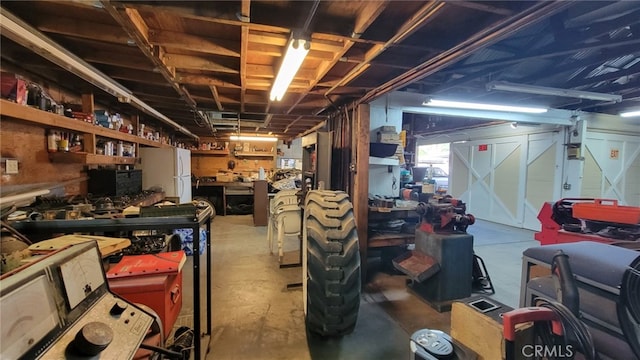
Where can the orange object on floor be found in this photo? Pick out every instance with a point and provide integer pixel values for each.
(154, 280)
(607, 210)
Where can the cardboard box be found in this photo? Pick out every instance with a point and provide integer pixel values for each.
(386, 129)
(224, 177)
(13, 88)
(389, 138)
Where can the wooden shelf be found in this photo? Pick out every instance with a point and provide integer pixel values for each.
(381, 240)
(210, 152)
(86, 158)
(48, 119)
(253, 154)
(151, 143)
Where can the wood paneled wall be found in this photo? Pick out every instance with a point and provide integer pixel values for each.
(27, 143)
(209, 165)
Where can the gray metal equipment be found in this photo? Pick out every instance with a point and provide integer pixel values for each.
(441, 268)
(608, 285)
(60, 308)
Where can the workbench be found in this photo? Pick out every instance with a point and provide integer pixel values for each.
(256, 189)
(202, 307)
(379, 214)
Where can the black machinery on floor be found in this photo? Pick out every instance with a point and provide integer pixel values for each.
(600, 309)
(443, 267)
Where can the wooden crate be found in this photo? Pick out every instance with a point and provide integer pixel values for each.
(482, 332)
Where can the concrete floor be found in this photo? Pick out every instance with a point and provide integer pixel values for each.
(255, 316)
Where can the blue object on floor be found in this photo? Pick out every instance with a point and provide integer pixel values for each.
(186, 235)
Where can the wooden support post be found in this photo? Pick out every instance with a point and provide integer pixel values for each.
(87, 103)
(89, 143)
(360, 196)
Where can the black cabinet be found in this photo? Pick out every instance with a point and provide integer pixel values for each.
(111, 182)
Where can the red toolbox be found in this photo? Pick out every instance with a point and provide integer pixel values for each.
(154, 280)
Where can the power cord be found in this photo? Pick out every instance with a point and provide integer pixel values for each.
(571, 325)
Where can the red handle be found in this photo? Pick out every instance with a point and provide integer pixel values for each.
(518, 316)
(175, 294)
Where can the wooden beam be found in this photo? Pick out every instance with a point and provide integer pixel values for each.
(268, 72)
(197, 63)
(276, 51)
(360, 197)
(208, 14)
(419, 19)
(184, 41)
(267, 120)
(262, 84)
(137, 76)
(216, 97)
(82, 29)
(366, 17)
(282, 40)
(132, 22)
(140, 25)
(292, 123)
(245, 12)
(183, 78)
(120, 61)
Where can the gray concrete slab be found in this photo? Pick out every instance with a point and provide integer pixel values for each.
(255, 316)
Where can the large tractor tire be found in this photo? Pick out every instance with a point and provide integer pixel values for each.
(331, 280)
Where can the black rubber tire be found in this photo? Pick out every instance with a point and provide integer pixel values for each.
(333, 264)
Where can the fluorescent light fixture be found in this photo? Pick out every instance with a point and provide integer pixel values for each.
(297, 50)
(480, 106)
(252, 138)
(630, 113)
(542, 90)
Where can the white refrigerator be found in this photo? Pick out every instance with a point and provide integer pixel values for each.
(169, 169)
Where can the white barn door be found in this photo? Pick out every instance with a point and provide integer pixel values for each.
(506, 180)
(612, 167)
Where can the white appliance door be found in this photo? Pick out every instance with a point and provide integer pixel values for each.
(183, 189)
(159, 169)
(183, 162)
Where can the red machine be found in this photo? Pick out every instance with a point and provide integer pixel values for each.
(577, 219)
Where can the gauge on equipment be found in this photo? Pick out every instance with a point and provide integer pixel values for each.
(60, 307)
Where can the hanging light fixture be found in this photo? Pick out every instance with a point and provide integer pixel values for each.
(482, 106)
(252, 138)
(543, 90)
(630, 113)
(297, 49)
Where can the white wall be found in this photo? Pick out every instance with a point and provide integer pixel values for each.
(380, 180)
(292, 152)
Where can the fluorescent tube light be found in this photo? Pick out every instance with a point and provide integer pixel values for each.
(630, 113)
(297, 50)
(542, 90)
(479, 106)
(252, 138)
